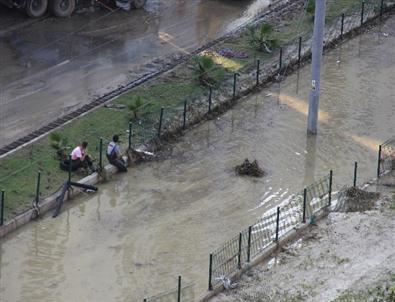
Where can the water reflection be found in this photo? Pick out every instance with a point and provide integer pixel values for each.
(310, 160)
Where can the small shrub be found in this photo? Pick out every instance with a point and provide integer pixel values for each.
(59, 143)
(262, 38)
(207, 71)
(135, 106)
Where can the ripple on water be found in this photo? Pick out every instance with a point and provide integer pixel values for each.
(162, 219)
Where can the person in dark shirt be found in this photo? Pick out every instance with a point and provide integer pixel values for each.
(114, 155)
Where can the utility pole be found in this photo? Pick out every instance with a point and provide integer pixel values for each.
(316, 58)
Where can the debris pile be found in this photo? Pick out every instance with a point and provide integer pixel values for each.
(137, 156)
(250, 169)
(352, 199)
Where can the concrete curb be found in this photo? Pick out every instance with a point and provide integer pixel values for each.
(51, 201)
(291, 236)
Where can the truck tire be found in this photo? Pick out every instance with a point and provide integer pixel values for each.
(62, 8)
(138, 3)
(36, 8)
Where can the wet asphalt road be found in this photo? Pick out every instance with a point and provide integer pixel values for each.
(53, 66)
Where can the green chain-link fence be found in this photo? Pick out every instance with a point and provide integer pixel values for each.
(386, 161)
(274, 225)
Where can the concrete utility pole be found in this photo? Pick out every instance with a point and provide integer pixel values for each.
(316, 58)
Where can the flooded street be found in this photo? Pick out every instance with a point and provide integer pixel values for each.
(162, 219)
(53, 66)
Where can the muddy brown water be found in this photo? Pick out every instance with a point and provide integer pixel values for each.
(54, 66)
(162, 219)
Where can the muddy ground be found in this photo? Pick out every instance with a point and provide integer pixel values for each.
(346, 257)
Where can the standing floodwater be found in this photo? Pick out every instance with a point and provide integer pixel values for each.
(162, 219)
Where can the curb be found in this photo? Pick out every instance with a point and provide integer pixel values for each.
(51, 201)
(292, 235)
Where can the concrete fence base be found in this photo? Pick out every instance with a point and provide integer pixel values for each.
(50, 202)
(268, 253)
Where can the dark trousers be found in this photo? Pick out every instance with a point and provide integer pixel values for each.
(117, 162)
(78, 163)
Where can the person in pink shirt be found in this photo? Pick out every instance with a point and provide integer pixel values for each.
(80, 158)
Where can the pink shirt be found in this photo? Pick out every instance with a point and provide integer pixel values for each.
(77, 153)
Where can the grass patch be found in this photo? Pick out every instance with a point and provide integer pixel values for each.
(18, 171)
(162, 95)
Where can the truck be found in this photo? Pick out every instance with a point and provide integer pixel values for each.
(59, 8)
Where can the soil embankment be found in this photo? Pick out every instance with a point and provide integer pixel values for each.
(349, 256)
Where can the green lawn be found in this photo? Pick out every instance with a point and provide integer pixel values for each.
(18, 171)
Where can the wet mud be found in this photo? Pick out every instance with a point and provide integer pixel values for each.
(355, 200)
(163, 218)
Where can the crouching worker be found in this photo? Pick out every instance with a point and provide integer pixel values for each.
(81, 159)
(114, 155)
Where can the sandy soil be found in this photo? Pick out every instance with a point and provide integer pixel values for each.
(344, 258)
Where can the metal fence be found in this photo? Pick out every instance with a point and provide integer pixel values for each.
(185, 109)
(386, 158)
(273, 225)
(318, 194)
(154, 123)
(292, 51)
(184, 293)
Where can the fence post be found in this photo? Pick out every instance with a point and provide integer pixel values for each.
(209, 99)
(249, 244)
(70, 168)
(362, 11)
(38, 188)
(304, 205)
(277, 223)
(2, 201)
(160, 121)
(130, 136)
(342, 27)
(280, 63)
(300, 50)
(179, 289)
(234, 84)
(355, 173)
(330, 187)
(101, 154)
(210, 272)
(258, 71)
(378, 163)
(381, 9)
(184, 122)
(239, 253)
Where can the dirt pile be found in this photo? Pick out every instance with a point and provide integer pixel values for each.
(250, 169)
(352, 199)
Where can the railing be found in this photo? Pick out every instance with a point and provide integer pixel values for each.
(41, 181)
(273, 226)
(183, 293)
(386, 157)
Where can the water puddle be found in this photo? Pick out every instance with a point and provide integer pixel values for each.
(161, 220)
